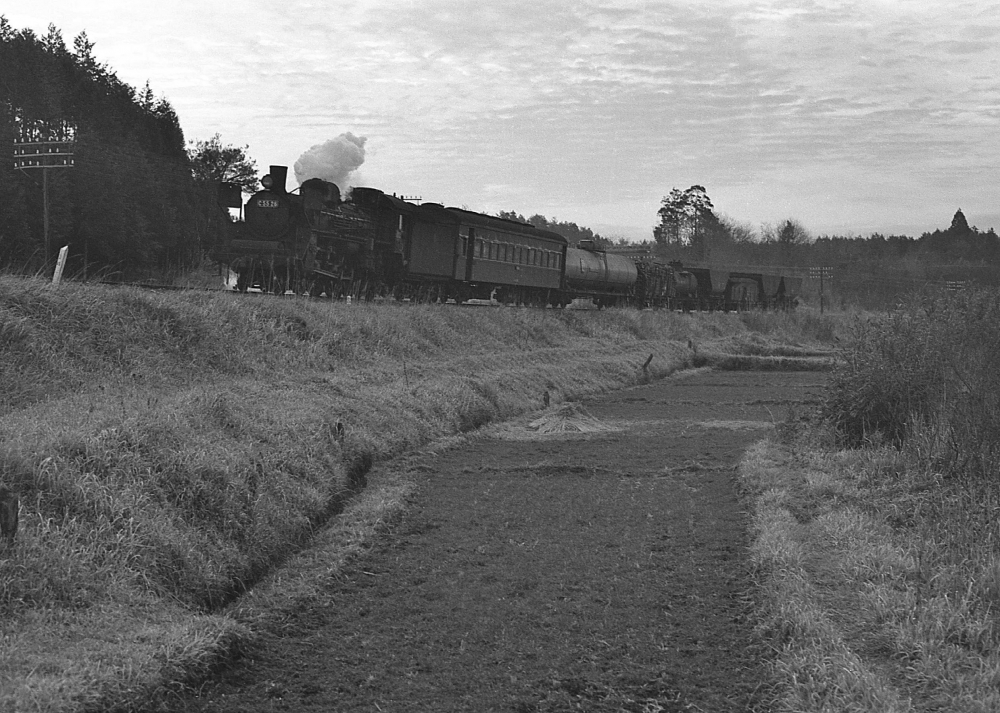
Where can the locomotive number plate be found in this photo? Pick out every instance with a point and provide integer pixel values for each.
(267, 203)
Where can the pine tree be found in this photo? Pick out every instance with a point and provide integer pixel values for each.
(959, 225)
(686, 217)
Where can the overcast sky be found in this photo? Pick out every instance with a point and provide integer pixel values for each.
(851, 117)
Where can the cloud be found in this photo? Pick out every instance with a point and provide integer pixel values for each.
(334, 160)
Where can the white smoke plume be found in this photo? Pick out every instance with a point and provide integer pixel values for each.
(335, 160)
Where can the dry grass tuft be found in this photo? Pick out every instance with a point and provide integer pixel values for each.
(569, 417)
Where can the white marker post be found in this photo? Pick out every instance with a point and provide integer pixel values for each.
(60, 264)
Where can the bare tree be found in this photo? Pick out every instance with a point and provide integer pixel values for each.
(787, 232)
(739, 232)
(792, 232)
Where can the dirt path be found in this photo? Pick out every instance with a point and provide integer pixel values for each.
(602, 571)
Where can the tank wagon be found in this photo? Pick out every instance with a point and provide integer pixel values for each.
(605, 278)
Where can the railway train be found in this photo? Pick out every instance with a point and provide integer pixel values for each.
(374, 245)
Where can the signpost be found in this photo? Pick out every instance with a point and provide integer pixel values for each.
(44, 146)
(823, 273)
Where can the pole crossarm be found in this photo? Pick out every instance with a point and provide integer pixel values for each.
(823, 274)
(43, 154)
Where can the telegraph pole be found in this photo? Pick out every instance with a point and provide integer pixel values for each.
(823, 273)
(44, 147)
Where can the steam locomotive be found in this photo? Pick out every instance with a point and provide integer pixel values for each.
(376, 245)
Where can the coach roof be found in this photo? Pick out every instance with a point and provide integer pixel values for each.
(504, 225)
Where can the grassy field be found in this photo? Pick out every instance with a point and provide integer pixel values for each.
(172, 449)
(877, 528)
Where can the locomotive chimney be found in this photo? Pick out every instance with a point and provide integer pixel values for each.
(279, 175)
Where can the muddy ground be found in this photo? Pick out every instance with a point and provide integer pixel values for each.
(538, 569)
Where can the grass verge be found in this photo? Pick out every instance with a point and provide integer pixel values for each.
(878, 591)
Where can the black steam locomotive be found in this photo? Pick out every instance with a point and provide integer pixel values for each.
(376, 245)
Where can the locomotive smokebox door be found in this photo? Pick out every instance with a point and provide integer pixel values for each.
(268, 215)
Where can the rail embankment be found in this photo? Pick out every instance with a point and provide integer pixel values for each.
(170, 450)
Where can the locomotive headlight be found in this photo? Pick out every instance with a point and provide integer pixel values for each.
(267, 181)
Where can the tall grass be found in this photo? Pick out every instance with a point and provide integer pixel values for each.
(879, 563)
(928, 375)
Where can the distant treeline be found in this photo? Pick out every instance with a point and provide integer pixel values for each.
(128, 206)
(870, 272)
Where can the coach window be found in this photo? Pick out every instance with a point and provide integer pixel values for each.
(479, 248)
